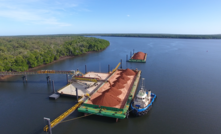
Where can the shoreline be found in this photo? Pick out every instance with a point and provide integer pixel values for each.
(3, 77)
(169, 36)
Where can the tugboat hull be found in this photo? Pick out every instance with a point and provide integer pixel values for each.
(142, 111)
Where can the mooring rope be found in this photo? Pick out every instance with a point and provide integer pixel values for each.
(77, 118)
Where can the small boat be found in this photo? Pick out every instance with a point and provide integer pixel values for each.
(142, 102)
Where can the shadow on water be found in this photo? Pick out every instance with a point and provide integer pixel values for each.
(144, 117)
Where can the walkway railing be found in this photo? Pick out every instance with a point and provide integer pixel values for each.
(38, 72)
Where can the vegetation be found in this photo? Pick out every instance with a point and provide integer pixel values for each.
(22, 53)
(182, 36)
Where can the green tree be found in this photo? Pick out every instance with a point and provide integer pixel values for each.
(20, 64)
(32, 61)
(1, 66)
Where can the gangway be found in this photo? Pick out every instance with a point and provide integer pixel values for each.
(63, 116)
(73, 72)
(116, 67)
(78, 72)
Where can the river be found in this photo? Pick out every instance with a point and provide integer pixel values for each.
(185, 75)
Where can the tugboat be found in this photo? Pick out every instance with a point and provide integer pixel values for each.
(142, 102)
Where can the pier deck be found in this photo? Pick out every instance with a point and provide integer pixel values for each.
(83, 86)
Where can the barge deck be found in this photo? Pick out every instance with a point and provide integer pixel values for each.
(119, 111)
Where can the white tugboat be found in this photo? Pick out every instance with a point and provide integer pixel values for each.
(143, 101)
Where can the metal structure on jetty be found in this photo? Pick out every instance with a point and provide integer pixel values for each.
(81, 87)
(106, 94)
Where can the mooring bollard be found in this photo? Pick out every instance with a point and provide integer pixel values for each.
(77, 94)
(26, 78)
(85, 69)
(67, 78)
(47, 78)
(49, 125)
(53, 87)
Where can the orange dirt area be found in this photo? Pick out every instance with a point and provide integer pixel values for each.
(128, 72)
(115, 93)
(118, 85)
(107, 99)
(124, 76)
(121, 81)
(139, 56)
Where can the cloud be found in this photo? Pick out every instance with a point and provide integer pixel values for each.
(128, 15)
(34, 18)
(36, 11)
(53, 21)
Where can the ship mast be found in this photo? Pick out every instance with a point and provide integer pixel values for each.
(142, 86)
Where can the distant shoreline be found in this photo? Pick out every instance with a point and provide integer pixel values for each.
(174, 36)
(3, 77)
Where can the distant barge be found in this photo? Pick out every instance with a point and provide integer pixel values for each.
(138, 57)
(113, 98)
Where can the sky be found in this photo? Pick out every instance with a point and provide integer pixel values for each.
(42, 17)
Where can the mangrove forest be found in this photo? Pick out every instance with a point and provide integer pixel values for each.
(19, 53)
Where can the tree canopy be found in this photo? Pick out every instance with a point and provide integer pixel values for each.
(24, 52)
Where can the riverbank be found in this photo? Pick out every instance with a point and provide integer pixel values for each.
(4, 77)
(175, 36)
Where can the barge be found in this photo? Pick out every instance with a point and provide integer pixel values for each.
(138, 57)
(113, 98)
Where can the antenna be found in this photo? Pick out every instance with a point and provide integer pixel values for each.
(142, 86)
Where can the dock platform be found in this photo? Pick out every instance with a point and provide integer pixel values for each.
(83, 86)
(54, 96)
